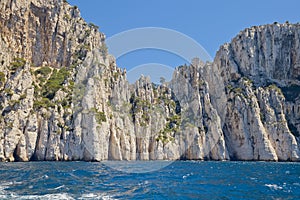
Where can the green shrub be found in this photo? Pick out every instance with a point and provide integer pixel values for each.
(14, 103)
(173, 104)
(23, 96)
(262, 117)
(176, 119)
(248, 81)
(100, 117)
(163, 138)
(229, 87)
(172, 126)
(8, 91)
(66, 103)
(146, 118)
(71, 85)
(43, 103)
(115, 75)
(237, 90)
(86, 47)
(67, 17)
(43, 73)
(55, 82)
(91, 25)
(17, 63)
(274, 87)
(87, 32)
(2, 79)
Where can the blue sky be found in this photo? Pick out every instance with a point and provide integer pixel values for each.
(211, 23)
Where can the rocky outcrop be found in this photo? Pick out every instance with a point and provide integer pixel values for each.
(42, 43)
(64, 98)
(260, 67)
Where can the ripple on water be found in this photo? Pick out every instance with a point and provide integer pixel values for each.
(180, 180)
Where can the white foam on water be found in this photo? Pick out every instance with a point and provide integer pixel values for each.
(96, 196)
(57, 188)
(274, 186)
(143, 183)
(2, 190)
(296, 184)
(3, 187)
(4, 194)
(91, 195)
(6, 184)
(187, 175)
(60, 196)
(45, 176)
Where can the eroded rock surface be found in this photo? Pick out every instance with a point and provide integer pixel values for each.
(64, 98)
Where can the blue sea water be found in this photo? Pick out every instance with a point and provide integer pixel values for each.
(179, 180)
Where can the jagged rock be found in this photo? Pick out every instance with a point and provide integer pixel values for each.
(64, 98)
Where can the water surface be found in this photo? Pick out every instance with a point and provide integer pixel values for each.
(180, 180)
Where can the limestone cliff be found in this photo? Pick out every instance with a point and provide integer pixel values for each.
(260, 73)
(64, 98)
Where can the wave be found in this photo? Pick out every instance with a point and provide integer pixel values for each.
(58, 196)
(274, 186)
(4, 194)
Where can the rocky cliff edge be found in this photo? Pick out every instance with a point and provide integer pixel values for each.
(64, 98)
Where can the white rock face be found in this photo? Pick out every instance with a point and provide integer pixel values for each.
(264, 120)
(64, 98)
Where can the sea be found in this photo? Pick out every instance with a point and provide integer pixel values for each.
(150, 180)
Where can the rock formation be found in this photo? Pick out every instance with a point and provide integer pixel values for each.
(64, 98)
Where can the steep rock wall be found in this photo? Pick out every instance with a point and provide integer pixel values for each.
(64, 98)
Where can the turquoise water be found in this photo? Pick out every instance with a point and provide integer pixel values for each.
(180, 180)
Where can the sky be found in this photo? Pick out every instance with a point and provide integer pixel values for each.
(211, 23)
